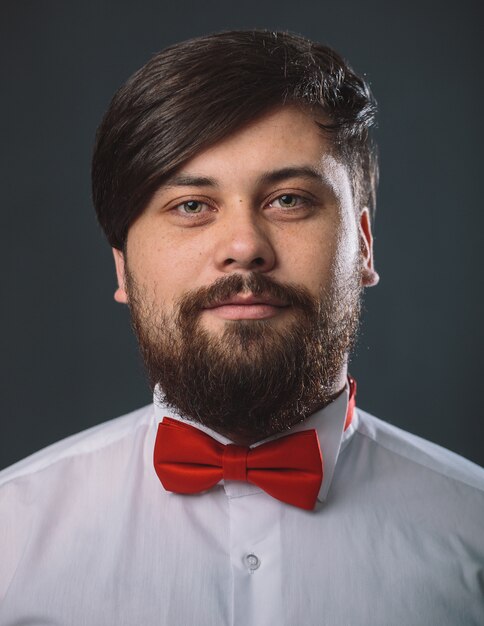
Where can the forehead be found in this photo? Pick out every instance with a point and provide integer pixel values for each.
(282, 134)
(284, 143)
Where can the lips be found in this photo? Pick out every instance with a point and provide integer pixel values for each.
(248, 300)
(248, 307)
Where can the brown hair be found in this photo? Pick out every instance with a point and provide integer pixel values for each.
(199, 91)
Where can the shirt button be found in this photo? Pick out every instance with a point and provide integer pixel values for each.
(252, 561)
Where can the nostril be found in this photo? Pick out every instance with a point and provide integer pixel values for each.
(257, 262)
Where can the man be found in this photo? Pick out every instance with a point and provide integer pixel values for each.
(234, 176)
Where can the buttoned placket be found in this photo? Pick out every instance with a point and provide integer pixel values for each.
(255, 554)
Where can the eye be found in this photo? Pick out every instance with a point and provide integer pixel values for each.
(190, 211)
(287, 200)
(191, 207)
(290, 201)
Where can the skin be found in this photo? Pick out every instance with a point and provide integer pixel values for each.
(236, 221)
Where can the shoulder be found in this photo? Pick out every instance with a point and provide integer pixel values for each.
(414, 487)
(84, 443)
(74, 488)
(419, 453)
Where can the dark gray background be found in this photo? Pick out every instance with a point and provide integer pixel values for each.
(67, 354)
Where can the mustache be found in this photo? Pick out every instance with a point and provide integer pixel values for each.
(192, 302)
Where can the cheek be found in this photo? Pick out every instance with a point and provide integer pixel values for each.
(161, 269)
(346, 256)
(323, 256)
(346, 241)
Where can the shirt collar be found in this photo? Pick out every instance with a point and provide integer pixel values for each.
(328, 422)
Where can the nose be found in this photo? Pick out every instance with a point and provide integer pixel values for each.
(244, 244)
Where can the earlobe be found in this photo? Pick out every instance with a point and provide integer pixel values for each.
(120, 294)
(369, 277)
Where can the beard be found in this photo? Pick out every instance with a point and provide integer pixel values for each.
(254, 378)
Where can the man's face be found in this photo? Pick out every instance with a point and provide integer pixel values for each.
(253, 244)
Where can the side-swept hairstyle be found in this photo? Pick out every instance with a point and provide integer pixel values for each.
(199, 91)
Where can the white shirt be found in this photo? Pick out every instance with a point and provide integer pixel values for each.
(88, 536)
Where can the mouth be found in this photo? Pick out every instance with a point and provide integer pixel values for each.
(247, 307)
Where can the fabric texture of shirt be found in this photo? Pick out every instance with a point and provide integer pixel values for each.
(88, 535)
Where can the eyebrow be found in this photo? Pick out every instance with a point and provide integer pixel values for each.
(303, 171)
(187, 180)
(274, 176)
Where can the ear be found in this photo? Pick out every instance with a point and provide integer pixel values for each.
(120, 294)
(369, 277)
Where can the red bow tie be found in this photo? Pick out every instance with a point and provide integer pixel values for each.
(289, 468)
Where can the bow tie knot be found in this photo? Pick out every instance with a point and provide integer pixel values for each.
(234, 462)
